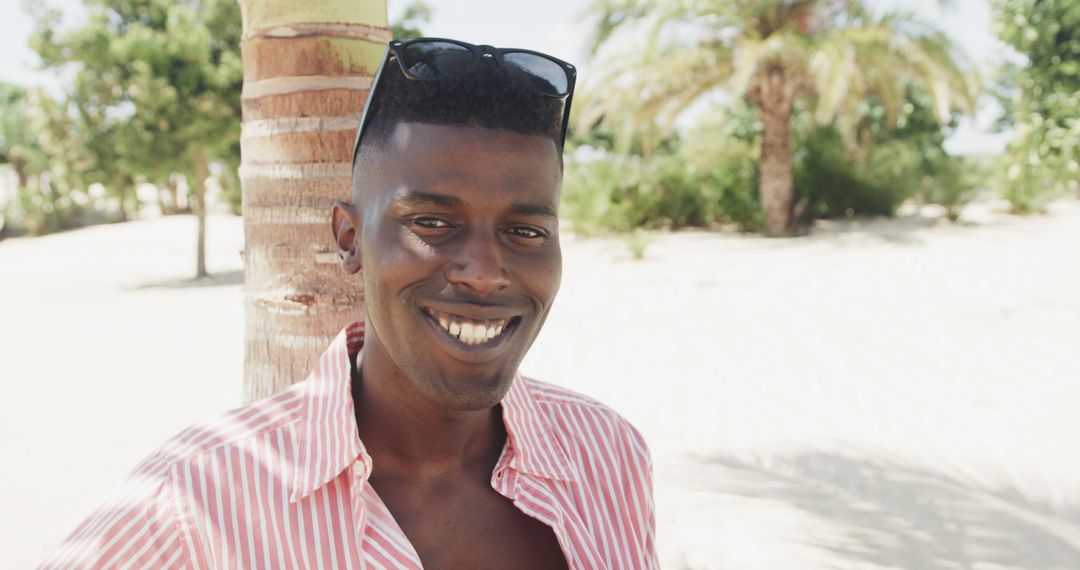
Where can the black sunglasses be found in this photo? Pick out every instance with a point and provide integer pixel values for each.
(431, 59)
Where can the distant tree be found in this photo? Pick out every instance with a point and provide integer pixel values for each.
(18, 145)
(407, 26)
(833, 55)
(156, 90)
(1044, 105)
(36, 134)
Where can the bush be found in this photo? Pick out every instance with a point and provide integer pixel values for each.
(831, 182)
(953, 184)
(1030, 188)
(622, 193)
(42, 208)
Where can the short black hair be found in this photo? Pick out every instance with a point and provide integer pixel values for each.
(489, 96)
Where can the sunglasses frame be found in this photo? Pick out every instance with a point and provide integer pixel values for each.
(481, 52)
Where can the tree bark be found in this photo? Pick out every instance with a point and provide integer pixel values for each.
(20, 171)
(122, 193)
(170, 204)
(202, 170)
(773, 95)
(307, 71)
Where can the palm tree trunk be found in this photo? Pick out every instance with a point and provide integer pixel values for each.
(773, 96)
(777, 184)
(305, 82)
(202, 170)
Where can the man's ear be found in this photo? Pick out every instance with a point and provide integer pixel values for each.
(345, 222)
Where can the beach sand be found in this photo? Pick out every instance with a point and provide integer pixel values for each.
(881, 394)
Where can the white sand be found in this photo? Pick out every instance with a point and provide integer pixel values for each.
(895, 394)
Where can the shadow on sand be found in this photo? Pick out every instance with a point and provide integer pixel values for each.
(222, 279)
(885, 514)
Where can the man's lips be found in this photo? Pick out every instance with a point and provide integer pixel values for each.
(472, 311)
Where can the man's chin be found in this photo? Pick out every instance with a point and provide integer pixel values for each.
(468, 393)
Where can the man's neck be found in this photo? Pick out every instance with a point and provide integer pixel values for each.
(407, 434)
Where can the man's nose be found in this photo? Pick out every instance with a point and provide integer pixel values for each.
(479, 265)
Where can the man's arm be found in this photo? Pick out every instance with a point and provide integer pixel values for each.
(139, 527)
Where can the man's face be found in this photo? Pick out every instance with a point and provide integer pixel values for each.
(460, 256)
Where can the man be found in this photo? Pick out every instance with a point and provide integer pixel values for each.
(426, 448)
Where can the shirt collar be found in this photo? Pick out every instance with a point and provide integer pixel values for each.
(328, 441)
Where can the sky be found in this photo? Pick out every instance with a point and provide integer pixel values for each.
(557, 27)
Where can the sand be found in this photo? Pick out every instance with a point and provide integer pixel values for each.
(882, 394)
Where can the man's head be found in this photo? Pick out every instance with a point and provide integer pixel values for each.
(453, 229)
(491, 96)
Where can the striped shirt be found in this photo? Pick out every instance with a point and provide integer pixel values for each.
(282, 483)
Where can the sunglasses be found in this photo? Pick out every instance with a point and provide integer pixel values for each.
(432, 59)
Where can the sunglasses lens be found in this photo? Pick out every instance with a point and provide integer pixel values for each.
(431, 60)
(547, 76)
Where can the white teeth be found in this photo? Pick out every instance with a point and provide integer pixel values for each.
(471, 333)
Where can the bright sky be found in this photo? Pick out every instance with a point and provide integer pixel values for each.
(555, 27)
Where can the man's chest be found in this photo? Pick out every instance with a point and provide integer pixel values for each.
(529, 523)
(466, 525)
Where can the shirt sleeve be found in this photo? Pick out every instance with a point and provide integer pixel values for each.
(138, 527)
(639, 491)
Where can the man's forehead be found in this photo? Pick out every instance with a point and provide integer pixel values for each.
(408, 136)
(453, 158)
(436, 154)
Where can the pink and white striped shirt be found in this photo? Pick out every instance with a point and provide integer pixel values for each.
(282, 483)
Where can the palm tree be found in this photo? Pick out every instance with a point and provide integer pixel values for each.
(834, 54)
(307, 70)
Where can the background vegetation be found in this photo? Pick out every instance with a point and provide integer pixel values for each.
(1042, 96)
(873, 97)
(721, 113)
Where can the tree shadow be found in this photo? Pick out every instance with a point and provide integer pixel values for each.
(223, 279)
(903, 230)
(892, 515)
(898, 230)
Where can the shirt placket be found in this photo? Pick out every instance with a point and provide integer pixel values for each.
(507, 481)
(366, 505)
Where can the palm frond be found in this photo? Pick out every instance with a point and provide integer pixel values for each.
(838, 54)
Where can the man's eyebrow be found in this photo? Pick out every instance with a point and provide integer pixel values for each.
(415, 198)
(520, 208)
(532, 210)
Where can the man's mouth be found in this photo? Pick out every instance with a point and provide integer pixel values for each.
(471, 332)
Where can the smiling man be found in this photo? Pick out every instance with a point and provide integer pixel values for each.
(415, 442)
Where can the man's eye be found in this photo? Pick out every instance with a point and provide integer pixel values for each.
(527, 232)
(428, 222)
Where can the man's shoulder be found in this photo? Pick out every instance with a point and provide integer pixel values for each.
(141, 519)
(553, 395)
(233, 427)
(577, 414)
